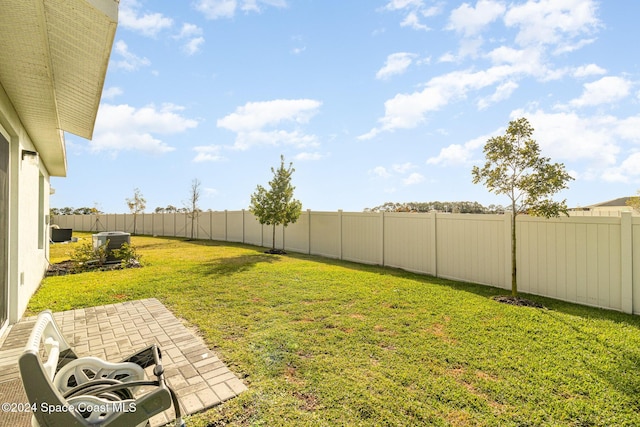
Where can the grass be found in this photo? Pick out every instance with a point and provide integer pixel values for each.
(323, 343)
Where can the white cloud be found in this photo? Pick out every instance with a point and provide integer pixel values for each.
(456, 154)
(380, 171)
(112, 92)
(215, 9)
(552, 22)
(399, 170)
(414, 11)
(189, 30)
(396, 63)
(252, 123)
(403, 167)
(148, 24)
(123, 127)
(406, 111)
(588, 70)
(413, 21)
(129, 61)
(256, 115)
(502, 92)
(626, 171)
(413, 179)
(571, 137)
(403, 4)
(193, 46)
(191, 35)
(247, 139)
(208, 153)
(470, 21)
(607, 90)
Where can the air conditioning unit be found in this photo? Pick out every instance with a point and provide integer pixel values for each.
(115, 238)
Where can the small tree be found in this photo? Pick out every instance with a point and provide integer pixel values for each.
(191, 207)
(136, 205)
(634, 202)
(515, 168)
(276, 206)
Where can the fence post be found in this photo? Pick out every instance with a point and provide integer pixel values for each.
(309, 231)
(434, 242)
(226, 226)
(243, 226)
(339, 233)
(382, 238)
(626, 263)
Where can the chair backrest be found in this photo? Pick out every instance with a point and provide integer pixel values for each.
(52, 409)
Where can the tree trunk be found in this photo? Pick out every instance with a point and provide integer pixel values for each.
(273, 241)
(514, 277)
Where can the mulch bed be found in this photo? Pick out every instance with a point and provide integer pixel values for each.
(69, 267)
(518, 301)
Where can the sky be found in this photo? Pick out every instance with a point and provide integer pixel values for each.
(372, 101)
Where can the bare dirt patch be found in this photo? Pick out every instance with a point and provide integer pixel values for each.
(521, 302)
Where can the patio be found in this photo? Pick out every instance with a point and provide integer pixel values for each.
(115, 331)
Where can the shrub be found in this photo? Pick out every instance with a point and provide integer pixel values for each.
(86, 257)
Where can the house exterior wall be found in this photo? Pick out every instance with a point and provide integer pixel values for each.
(28, 232)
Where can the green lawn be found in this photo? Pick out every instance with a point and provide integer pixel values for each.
(327, 343)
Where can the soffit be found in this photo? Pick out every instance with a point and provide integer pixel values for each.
(53, 60)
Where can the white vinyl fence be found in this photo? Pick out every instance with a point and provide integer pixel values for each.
(588, 260)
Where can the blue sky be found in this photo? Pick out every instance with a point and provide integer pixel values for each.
(372, 100)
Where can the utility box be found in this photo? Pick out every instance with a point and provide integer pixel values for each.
(59, 235)
(115, 238)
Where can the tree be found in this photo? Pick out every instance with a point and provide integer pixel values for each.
(276, 206)
(515, 168)
(192, 208)
(136, 205)
(634, 202)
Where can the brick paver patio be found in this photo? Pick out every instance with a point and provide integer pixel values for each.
(113, 332)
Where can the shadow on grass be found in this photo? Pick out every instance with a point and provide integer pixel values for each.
(246, 262)
(232, 265)
(486, 291)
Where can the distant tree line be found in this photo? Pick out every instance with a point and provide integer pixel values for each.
(75, 211)
(451, 207)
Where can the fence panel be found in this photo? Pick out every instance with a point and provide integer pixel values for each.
(408, 239)
(219, 225)
(325, 234)
(591, 260)
(472, 248)
(574, 259)
(203, 226)
(297, 234)
(636, 264)
(253, 230)
(362, 237)
(235, 226)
